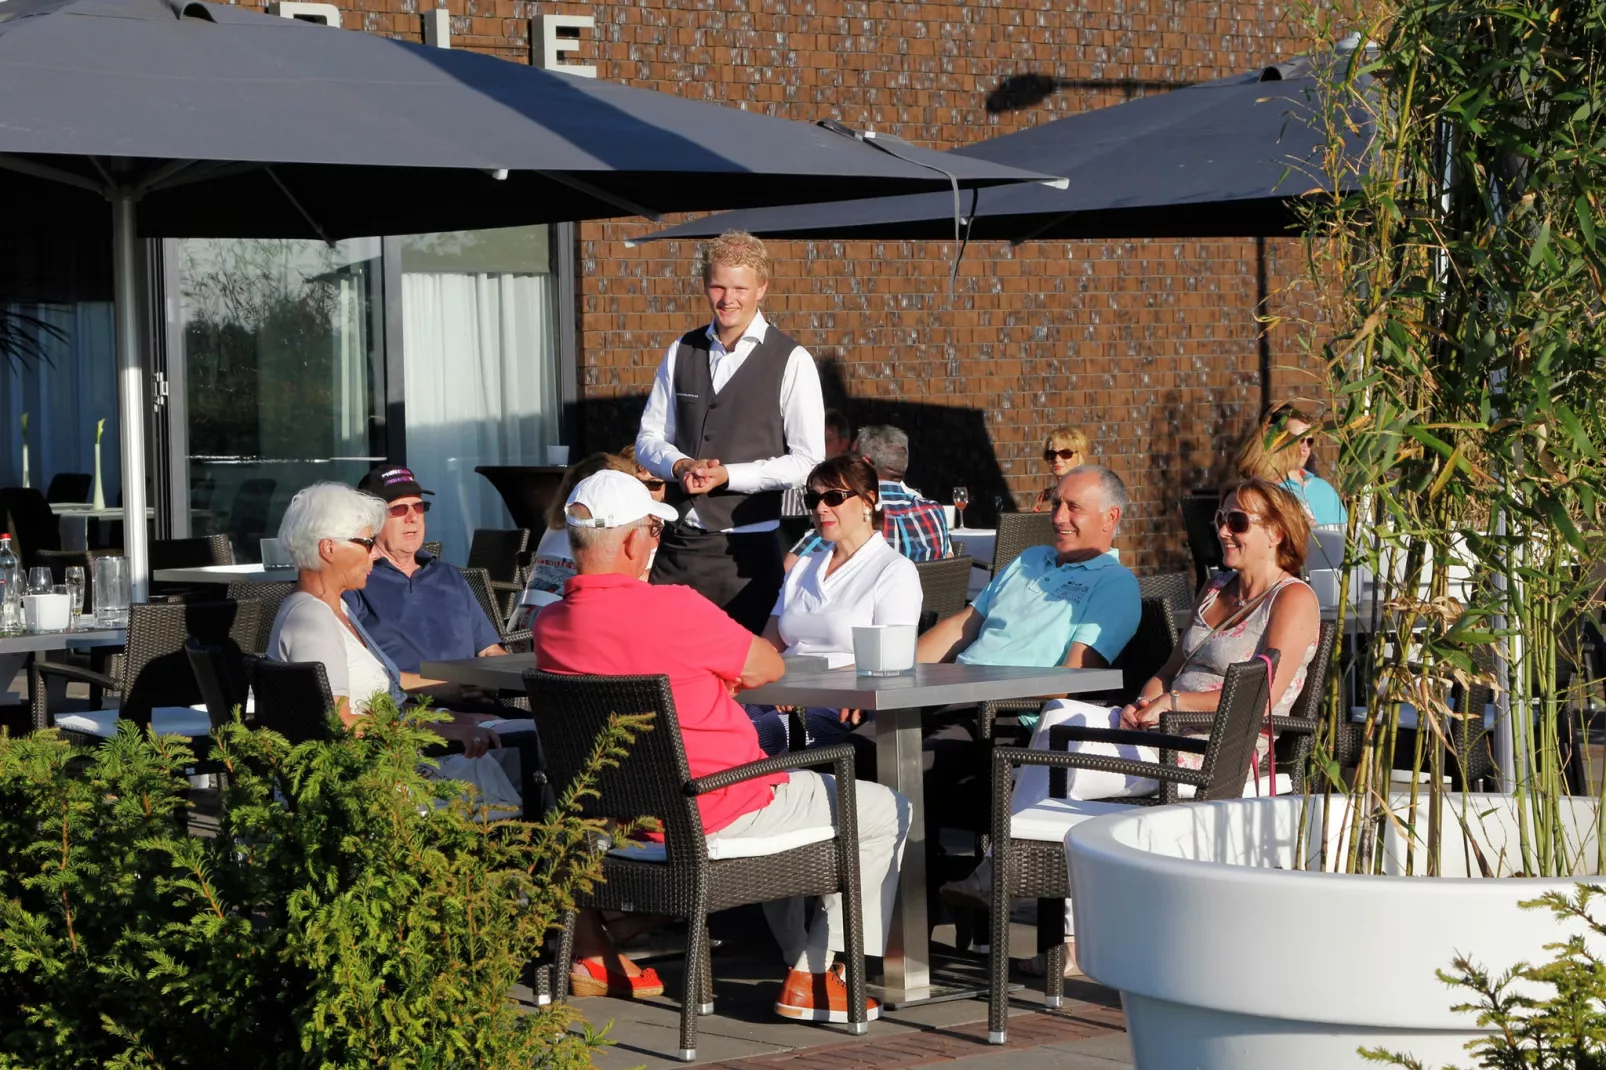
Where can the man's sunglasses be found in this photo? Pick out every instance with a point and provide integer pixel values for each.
(1064, 455)
(833, 498)
(366, 544)
(1236, 521)
(400, 509)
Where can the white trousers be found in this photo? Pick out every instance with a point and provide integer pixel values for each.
(808, 800)
(1032, 785)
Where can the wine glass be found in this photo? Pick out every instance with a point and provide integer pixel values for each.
(75, 591)
(40, 581)
(961, 499)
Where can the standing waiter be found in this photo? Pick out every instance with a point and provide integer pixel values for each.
(734, 420)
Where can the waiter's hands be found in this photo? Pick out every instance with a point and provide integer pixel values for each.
(700, 476)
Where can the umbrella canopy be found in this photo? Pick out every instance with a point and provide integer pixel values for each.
(167, 118)
(232, 123)
(1227, 158)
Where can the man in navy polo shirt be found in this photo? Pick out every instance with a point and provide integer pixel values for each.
(416, 606)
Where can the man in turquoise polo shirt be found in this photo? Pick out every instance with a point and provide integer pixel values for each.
(1072, 604)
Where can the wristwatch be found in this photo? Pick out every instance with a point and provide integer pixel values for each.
(1174, 696)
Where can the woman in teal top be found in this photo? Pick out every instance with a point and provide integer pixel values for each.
(1278, 451)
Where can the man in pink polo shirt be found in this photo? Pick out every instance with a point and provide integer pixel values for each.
(612, 622)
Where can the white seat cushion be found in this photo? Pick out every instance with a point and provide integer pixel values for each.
(1050, 819)
(167, 720)
(730, 846)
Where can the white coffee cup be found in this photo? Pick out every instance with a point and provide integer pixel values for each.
(273, 554)
(46, 612)
(557, 455)
(948, 516)
(884, 649)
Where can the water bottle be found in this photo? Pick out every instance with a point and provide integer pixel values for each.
(10, 589)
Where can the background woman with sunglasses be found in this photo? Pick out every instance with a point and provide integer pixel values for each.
(1279, 451)
(553, 562)
(328, 530)
(854, 579)
(1065, 449)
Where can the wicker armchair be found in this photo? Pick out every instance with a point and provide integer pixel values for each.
(154, 678)
(944, 583)
(1018, 532)
(484, 594)
(501, 553)
(1178, 592)
(1199, 522)
(220, 674)
(1034, 866)
(432, 548)
(269, 596)
(654, 780)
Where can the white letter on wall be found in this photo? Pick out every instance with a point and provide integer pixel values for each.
(552, 47)
(328, 14)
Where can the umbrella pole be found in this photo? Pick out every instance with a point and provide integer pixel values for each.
(130, 389)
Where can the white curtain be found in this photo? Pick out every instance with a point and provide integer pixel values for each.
(481, 385)
(63, 397)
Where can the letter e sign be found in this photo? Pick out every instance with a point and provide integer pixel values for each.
(557, 34)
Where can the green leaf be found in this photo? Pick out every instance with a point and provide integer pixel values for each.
(1568, 419)
(1586, 220)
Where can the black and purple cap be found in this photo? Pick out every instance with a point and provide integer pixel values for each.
(392, 483)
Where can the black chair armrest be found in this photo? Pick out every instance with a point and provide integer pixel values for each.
(504, 585)
(1061, 736)
(1296, 725)
(840, 756)
(1005, 757)
(74, 672)
(511, 638)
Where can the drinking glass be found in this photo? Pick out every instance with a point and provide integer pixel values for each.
(40, 581)
(111, 592)
(75, 591)
(961, 499)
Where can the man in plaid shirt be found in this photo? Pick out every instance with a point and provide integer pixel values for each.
(915, 526)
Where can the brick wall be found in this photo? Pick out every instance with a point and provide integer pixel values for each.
(1148, 346)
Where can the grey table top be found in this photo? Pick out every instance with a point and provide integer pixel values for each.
(929, 685)
(226, 574)
(507, 672)
(24, 644)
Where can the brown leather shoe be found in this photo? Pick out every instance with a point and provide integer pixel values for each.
(819, 997)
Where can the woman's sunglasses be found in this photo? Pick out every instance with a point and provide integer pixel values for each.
(401, 509)
(654, 485)
(833, 498)
(1236, 521)
(1064, 455)
(366, 544)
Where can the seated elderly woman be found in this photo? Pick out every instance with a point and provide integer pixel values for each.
(328, 531)
(852, 578)
(1257, 604)
(1279, 450)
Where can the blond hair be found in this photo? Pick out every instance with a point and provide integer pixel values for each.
(1279, 509)
(1270, 452)
(737, 248)
(1067, 438)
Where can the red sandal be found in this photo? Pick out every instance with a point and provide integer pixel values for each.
(588, 978)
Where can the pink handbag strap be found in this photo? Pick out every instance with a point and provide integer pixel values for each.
(1271, 743)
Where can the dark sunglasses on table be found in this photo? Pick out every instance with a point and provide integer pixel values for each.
(366, 544)
(833, 498)
(1064, 455)
(1237, 521)
(401, 509)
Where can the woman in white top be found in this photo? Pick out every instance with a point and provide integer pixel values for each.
(854, 579)
(552, 565)
(328, 531)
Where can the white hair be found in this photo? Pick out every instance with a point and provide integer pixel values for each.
(584, 538)
(326, 511)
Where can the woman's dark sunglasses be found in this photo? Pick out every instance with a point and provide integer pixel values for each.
(400, 509)
(1237, 521)
(1064, 455)
(366, 544)
(653, 485)
(833, 498)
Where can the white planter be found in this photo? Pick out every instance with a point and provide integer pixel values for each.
(1225, 957)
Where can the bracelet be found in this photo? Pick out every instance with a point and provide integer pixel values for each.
(1174, 696)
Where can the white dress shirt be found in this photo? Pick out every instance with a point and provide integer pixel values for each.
(818, 613)
(802, 421)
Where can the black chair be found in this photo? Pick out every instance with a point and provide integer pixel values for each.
(153, 678)
(69, 487)
(1035, 868)
(943, 586)
(1178, 592)
(431, 548)
(220, 674)
(1149, 648)
(1297, 731)
(1018, 532)
(270, 596)
(498, 551)
(481, 585)
(32, 525)
(1199, 523)
(653, 779)
(292, 698)
(198, 552)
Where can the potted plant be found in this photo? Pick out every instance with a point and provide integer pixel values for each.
(1455, 284)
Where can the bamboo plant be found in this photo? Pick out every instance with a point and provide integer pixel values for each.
(1455, 286)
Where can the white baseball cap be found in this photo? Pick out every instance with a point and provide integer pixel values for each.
(614, 500)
